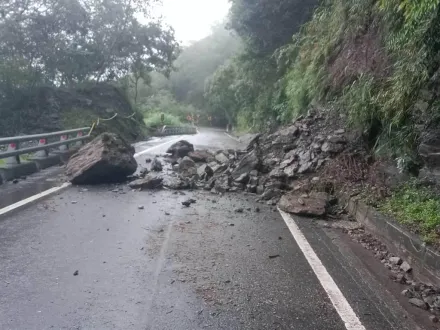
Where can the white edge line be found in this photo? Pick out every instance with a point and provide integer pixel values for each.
(54, 190)
(337, 298)
(34, 198)
(232, 137)
(155, 147)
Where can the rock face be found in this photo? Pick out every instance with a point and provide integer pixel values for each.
(180, 149)
(314, 204)
(106, 159)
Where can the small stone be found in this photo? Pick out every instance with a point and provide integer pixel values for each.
(395, 260)
(400, 278)
(156, 165)
(418, 303)
(274, 256)
(15, 181)
(141, 207)
(257, 209)
(433, 318)
(76, 273)
(340, 131)
(231, 225)
(74, 202)
(239, 210)
(166, 213)
(148, 160)
(186, 203)
(407, 293)
(405, 267)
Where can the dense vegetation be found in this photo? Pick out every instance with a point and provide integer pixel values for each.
(370, 60)
(69, 44)
(183, 93)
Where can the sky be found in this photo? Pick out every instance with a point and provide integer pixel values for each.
(192, 19)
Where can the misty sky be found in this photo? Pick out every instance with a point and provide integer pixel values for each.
(192, 19)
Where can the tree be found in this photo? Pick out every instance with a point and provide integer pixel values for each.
(70, 41)
(266, 25)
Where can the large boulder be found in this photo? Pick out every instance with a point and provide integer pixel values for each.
(313, 205)
(106, 159)
(180, 149)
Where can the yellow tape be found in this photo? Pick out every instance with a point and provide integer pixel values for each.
(92, 128)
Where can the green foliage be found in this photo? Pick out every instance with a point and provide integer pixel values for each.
(266, 25)
(416, 207)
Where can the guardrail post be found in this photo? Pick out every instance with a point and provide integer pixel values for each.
(14, 160)
(64, 147)
(79, 143)
(42, 153)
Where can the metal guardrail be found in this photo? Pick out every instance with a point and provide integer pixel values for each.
(14, 150)
(177, 130)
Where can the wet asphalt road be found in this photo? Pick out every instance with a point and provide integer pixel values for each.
(170, 267)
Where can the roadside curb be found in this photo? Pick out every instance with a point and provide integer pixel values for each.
(424, 260)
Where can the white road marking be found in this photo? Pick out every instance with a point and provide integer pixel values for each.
(54, 190)
(34, 198)
(337, 298)
(155, 147)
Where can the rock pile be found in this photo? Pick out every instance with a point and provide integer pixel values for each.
(269, 166)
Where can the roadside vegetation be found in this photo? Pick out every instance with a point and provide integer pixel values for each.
(416, 207)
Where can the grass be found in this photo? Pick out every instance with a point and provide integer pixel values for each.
(416, 207)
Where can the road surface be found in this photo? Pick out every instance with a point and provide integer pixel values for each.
(90, 258)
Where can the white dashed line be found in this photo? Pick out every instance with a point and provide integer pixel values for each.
(337, 298)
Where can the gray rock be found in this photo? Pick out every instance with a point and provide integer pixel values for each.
(433, 318)
(419, 303)
(340, 131)
(156, 165)
(253, 173)
(248, 163)
(291, 170)
(277, 173)
(405, 267)
(395, 260)
(260, 189)
(337, 139)
(305, 167)
(180, 149)
(106, 159)
(201, 156)
(223, 183)
(176, 183)
(222, 158)
(271, 193)
(187, 167)
(244, 178)
(314, 205)
(332, 147)
(148, 182)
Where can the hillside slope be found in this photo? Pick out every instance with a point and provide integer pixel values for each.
(48, 109)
